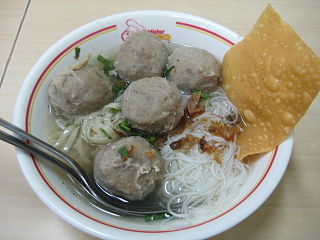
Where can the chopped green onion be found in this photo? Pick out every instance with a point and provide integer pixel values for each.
(68, 124)
(203, 95)
(139, 133)
(107, 68)
(151, 139)
(107, 64)
(105, 133)
(154, 217)
(114, 110)
(118, 90)
(123, 151)
(125, 126)
(166, 71)
(104, 60)
(77, 52)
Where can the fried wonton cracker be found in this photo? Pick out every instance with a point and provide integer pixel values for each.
(272, 77)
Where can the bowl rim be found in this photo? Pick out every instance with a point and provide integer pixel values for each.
(19, 120)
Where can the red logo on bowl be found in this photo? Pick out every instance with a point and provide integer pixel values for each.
(133, 26)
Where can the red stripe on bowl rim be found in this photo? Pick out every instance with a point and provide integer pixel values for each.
(42, 175)
(207, 31)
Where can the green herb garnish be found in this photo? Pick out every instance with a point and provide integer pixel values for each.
(103, 60)
(114, 110)
(139, 133)
(105, 133)
(125, 126)
(154, 217)
(123, 151)
(68, 124)
(77, 52)
(107, 68)
(107, 64)
(166, 71)
(151, 139)
(203, 95)
(118, 90)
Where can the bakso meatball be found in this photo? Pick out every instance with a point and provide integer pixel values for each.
(153, 105)
(194, 69)
(141, 55)
(80, 89)
(129, 168)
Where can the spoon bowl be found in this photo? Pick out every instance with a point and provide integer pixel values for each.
(97, 193)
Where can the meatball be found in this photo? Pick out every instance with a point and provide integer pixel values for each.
(78, 90)
(129, 168)
(141, 55)
(153, 105)
(194, 69)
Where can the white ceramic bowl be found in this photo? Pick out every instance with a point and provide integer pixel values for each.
(58, 193)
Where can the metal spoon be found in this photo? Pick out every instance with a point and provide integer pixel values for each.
(99, 195)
